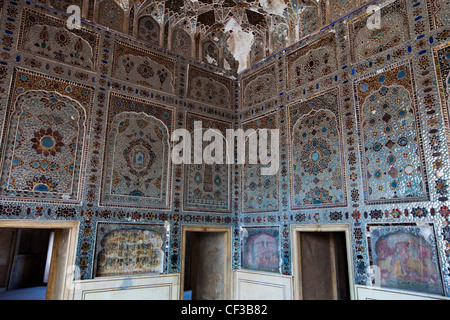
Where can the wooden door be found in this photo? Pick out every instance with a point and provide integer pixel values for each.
(323, 266)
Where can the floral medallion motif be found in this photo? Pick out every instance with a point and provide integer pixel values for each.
(317, 166)
(47, 142)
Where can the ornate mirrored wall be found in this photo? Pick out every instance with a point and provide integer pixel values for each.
(363, 115)
(87, 116)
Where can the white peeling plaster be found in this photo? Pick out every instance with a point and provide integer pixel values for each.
(273, 6)
(240, 43)
(211, 60)
(426, 230)
(226, 65)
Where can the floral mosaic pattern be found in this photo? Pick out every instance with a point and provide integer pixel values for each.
(259, 87)
(148, 30)
(47, 37)
(209, 88)
(45, 139)
(391, 142)
(43, 126)
(312, 62)
(394, 30)
(310, 21)
(182, 43)
(110, 14)
(340, 8)
(207, 186)
(317, 168)
(137, 163)
(280, 37)
(260, 193)
(145, 69)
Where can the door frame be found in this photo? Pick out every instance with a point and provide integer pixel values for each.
(227, 248)
(63, 254)
(296, 254)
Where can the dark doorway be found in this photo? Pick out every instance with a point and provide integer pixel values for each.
(25, 256)
(323, 266)
(204, 266)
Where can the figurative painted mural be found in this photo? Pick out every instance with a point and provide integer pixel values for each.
(129, 249)
(406, 257)
(261, 249)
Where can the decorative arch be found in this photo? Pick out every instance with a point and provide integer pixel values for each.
(210, 52)
(257, 52)
(110, 14)
(182, 42)
(207, 186)
(149, 29)
(131, 18)
(153, 9)
(137, 161)
(316, 161)
(389, 126)
(316, 156)
(309, 21)
(260, 193)
(47, 138)
(280, 37)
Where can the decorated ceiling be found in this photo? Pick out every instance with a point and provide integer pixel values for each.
(231, 34)
(204, 15)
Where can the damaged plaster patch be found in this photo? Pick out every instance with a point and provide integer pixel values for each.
(226, 65)
(211, 60)
(426, 230)
(240, 43)
(273, 6)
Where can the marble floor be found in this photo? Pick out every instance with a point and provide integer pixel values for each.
(34, 293)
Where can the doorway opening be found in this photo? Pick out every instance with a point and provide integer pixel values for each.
(321, 263)
(205, 266)
(34, 259)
